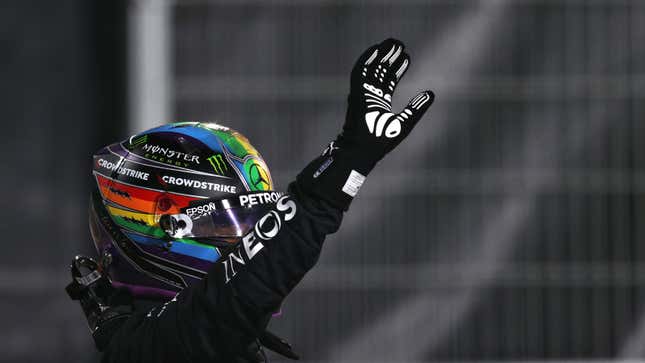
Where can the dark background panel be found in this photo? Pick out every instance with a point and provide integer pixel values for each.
(508, 227)
(63, 87)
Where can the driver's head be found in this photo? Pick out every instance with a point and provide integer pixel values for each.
(170, 200)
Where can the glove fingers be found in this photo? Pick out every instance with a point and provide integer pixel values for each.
(415, 109)
(389, 50)
(368, 56)
(379, 65)
(364, 61)
(380, 70)
(396, 71)
(400, 67)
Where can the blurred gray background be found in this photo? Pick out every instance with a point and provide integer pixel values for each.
(508, 227)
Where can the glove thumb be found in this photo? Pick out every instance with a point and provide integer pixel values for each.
(417, 107)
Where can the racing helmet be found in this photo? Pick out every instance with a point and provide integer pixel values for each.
(170, 201)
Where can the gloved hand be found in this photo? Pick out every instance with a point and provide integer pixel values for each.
(105, 306)
(371, 129)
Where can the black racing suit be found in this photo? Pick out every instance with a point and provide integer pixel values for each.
(222, 318)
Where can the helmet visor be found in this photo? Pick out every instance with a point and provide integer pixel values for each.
(219, 218)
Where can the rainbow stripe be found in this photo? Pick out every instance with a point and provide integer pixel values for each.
(137, 198)
(144, 229)
(181, 246)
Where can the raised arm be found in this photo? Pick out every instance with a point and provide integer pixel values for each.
(220, 317)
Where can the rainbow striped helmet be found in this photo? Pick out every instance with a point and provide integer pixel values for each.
(171, 200)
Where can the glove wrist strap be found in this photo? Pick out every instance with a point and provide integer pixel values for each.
(336, 176)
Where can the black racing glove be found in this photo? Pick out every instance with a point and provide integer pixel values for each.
(371, 130)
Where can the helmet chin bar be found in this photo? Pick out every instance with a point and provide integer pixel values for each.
(153, 266)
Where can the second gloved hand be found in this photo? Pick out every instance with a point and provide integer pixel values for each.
(371, 129)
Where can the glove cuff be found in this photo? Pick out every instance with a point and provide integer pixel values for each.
(336, 175)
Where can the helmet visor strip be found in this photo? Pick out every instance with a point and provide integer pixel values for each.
(231, 217)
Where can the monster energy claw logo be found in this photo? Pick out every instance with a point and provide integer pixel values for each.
(139, 140)
(218, 164)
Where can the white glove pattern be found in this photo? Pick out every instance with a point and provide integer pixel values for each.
(379, 78)
(371, 129)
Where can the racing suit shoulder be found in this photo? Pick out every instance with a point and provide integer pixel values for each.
(221, 318)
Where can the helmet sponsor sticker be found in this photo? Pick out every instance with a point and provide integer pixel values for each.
(114, 167)
(256, 175)
(265, 229)
(168, 149)
(199, 184)
(249, 200)
(219, 165)
(166, 154)
(162, 179)
(201, 208)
